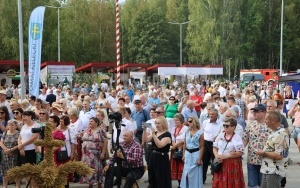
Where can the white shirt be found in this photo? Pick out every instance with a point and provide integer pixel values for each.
(69, 138)
(85, 117)
(236, 144)
(77, 126)
(43, 97)
(180, 136)
(130, 105)
(222, 91)
(238, 130)
(209, 129)
(128, 127)
(113, 102)
(26, 134)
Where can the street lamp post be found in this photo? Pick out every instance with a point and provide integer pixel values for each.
(180, 27)
(58, 31)
(21, 50)
(229, 69)
(281, 42)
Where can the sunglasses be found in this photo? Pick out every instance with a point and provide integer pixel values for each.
(16, 112)
(158, 112)
(190, 121)
(41, 113)
(227, 125)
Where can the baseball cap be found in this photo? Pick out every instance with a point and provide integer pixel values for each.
(259, 107)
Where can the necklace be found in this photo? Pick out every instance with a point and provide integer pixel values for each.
(229, 138)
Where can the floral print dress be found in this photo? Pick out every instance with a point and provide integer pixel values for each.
(92, 146)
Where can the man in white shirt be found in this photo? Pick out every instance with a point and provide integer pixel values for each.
(222, 91)
(113, 100)
(209, 128)
(85, 114)
(125, 125)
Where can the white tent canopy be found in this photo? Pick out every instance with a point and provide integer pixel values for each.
(192, 71)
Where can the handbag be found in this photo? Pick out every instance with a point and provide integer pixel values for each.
(216, 165)
(178, 155)
(62, 155)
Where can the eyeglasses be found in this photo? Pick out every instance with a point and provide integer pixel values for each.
(227, 125)
(2, 112)
(41, 113)
(16, 113)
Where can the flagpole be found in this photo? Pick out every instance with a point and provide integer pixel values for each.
(118, 46)
(21, 50)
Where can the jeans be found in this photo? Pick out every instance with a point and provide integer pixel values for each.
(254, 175)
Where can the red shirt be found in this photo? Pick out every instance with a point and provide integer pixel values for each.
(197, 100)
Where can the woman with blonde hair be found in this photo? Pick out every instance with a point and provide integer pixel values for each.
(159, 167)
(102, 116)
(192, 155)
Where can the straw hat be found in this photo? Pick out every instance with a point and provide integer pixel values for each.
(3, 92)
(56, 106)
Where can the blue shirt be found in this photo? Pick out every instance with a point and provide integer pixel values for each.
(139, 118)
(189, 113)
(154, 101)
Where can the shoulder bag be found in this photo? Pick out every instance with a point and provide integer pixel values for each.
(62, 156)
(218, 166)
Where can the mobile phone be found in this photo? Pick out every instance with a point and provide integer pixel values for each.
(148, 125)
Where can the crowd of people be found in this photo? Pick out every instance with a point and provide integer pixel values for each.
(182, 130)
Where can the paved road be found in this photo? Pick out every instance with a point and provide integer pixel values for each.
(293, 178)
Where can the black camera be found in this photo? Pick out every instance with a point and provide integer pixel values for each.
(38, 130)
(115, 116)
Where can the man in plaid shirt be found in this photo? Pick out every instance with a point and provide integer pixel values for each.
(134, 156)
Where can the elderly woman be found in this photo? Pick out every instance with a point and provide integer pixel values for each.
(94, 148)
(178, 136)
(56, 109)
(9, 145)
(228, 149)
(193, 153)
(159, 168)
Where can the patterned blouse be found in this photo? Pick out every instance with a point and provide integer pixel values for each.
(256, 134)
(277, 142)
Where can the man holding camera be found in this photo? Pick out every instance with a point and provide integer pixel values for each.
(132, 166)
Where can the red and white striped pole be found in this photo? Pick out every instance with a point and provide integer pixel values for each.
(118, 46)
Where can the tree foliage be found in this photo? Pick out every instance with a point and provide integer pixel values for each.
(244, 34)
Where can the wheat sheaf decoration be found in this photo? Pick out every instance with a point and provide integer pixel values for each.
(46, 174)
